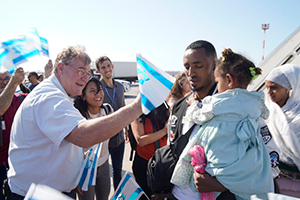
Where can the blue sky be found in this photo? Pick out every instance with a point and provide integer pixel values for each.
(159, 29)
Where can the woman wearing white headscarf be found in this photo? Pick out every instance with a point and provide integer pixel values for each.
(283, 87)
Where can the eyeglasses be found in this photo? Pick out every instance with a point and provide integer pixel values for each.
(5, 79)
(82, 73)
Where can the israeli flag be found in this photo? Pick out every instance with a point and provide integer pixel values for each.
(43, 192)
(128, 189)
(8, 60)
(87, 175)
(41, 43)
(44, 46)
(16, 51)
(155, 84)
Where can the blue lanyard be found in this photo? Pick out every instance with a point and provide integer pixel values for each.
(114, 94)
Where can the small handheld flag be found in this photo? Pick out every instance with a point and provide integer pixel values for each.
(41, 43)
(87, 175)
(128, 189)
(155, 84)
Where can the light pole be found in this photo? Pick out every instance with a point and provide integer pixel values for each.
(264, 27)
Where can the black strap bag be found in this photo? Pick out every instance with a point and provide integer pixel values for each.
(162, 164)
(160, 170)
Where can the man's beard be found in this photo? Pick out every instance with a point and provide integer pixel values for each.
(198, 88)
(108, 76)
(205, 85)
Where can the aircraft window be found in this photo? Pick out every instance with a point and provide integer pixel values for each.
(287, 60)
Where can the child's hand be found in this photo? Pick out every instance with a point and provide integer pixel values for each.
(198, 158)
(79, 190)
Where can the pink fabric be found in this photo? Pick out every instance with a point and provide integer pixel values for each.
(199, 162)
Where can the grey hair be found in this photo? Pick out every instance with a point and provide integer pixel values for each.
(70, 53)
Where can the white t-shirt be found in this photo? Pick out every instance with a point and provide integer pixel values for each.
(38, 152)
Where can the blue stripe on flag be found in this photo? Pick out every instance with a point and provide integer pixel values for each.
(13, 43)
(85, 171)
(135, 194)
(84, 174)
(44, 40)
(155, 74)
(94, 166)
(2, 55)
(146, 102)
(25, 56)
(45, 51)
(44, 46)
(9, 42)
(11, 70)
(128, 176)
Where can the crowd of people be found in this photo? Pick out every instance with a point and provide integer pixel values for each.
(251, 140)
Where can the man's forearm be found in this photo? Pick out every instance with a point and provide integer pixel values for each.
(6, 96)
(206, 183)
(100, 129)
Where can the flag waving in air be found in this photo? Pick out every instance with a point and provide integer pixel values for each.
(155, 84)
(16, 51)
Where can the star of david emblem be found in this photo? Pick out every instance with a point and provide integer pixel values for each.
(145, 77)
(90, 163)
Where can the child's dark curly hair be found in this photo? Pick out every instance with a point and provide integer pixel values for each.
(237, 66)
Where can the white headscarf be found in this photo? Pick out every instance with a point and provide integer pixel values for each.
(276, 76)
(284, 123)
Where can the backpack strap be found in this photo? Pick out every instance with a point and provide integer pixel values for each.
(155, 129)
(107, 107)
(132, 142)
(178, 112)
(178, 145)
